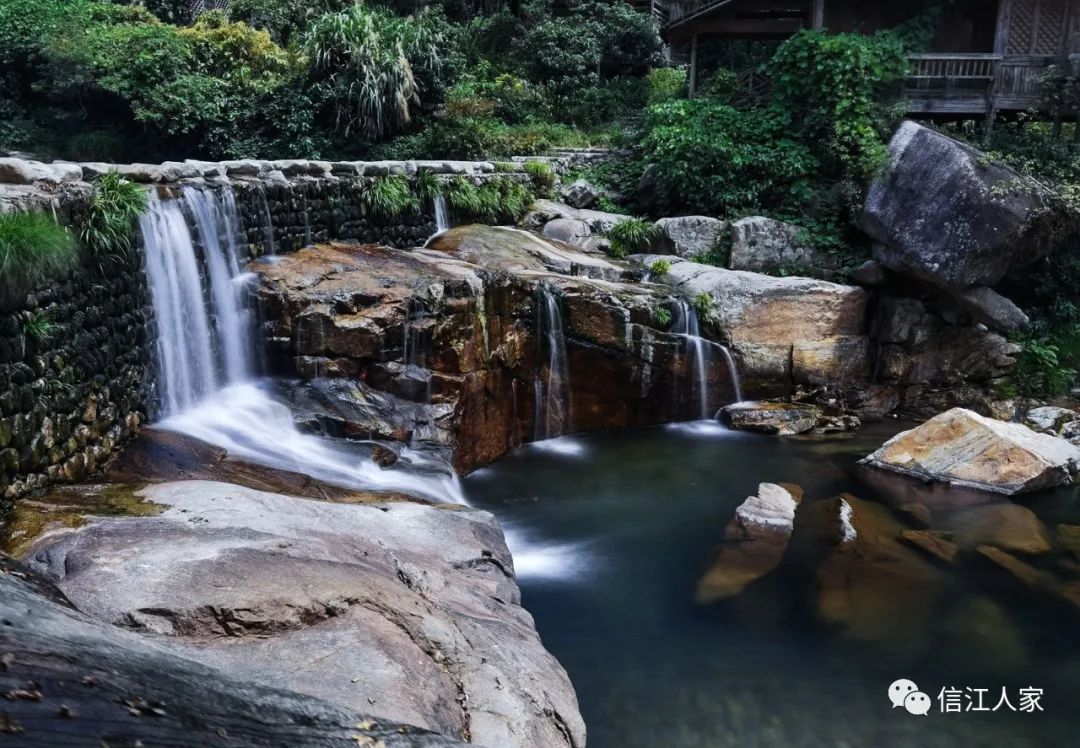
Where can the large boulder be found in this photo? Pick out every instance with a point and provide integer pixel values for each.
(74, 681)
(995, 311)
(966, 449)
(408, 612)
(21, 171)
(580, 194)
(765, 317)
(946, 214)
(766, 245)
(688, 236)
(754, 542)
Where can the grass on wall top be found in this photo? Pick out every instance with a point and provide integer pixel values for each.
(33, 249)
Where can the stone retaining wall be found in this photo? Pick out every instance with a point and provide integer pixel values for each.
(67, 402)
(72, 396)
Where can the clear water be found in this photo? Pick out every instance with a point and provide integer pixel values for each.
(623, 525)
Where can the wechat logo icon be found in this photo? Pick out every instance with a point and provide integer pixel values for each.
(904, 693)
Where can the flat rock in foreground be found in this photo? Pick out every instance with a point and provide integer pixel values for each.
(966, 449)
(73, 682)
(405, 611)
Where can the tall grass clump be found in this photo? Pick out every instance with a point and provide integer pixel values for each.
(108, 233)
(33, 249)
(632, 236)
(390, 197)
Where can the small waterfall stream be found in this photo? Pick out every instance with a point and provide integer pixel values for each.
(206, 360)
(698, 350)
(552, 391)
(442, 214)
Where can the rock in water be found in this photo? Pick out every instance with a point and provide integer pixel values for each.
(779, 419)
(754, 542)
(946, 214)
(102, 685)
(404, 611)
(966, 449)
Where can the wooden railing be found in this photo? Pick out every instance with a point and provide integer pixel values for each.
(953, 67)
(681, 9)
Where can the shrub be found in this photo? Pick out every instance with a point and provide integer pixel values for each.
(497, 200)
(631, 236)
(371, 61)
(714, 159)
(33, 250)
(704, 306)
(389, 197)
(666, 84)
(426, 187)
(108, 231)
(660, 267)
(661, 315)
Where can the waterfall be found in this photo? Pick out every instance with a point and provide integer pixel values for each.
(270, 243)
(552, 392)
(698, 350)
(442, 214)
(206, 360)
(414, 347)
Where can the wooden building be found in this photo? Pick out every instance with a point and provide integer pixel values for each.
(989, 56)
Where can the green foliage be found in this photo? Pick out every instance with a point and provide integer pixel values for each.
(500, 200)
(715, 159)
(661, 315)
(426, 187)
(1044, 367)
(40, 327)
(390, 197)
(108, 231)
(632, 236)
(666, 84)
(704, 306)
(33, 250)
(371, 62)
(543, 177)
(660, 267)
(829, 88)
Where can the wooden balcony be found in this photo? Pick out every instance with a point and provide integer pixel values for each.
(974, 84)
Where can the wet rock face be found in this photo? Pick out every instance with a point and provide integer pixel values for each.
(946, 214)
(452, 335)
(99, 684)
(966, 449)
(765, 317)
(405, 611)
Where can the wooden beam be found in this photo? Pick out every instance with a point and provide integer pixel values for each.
(818, 20)
(1001, 34)
(745, 27)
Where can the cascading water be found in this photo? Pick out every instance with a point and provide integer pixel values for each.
(206, 361)
(552, 392)
(442, 214)
(699, 352)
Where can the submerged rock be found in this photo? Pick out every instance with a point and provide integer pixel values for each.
(868, 582)
(966, 449)
(96, 684)
(754, 542)
(1010, 527)
(405, 611)
(779, 419)
(946, 214)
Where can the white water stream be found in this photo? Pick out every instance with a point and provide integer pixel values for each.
(206, 360)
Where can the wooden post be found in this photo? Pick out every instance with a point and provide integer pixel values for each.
(1001, 34)
(818, 21)
(693, 65)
